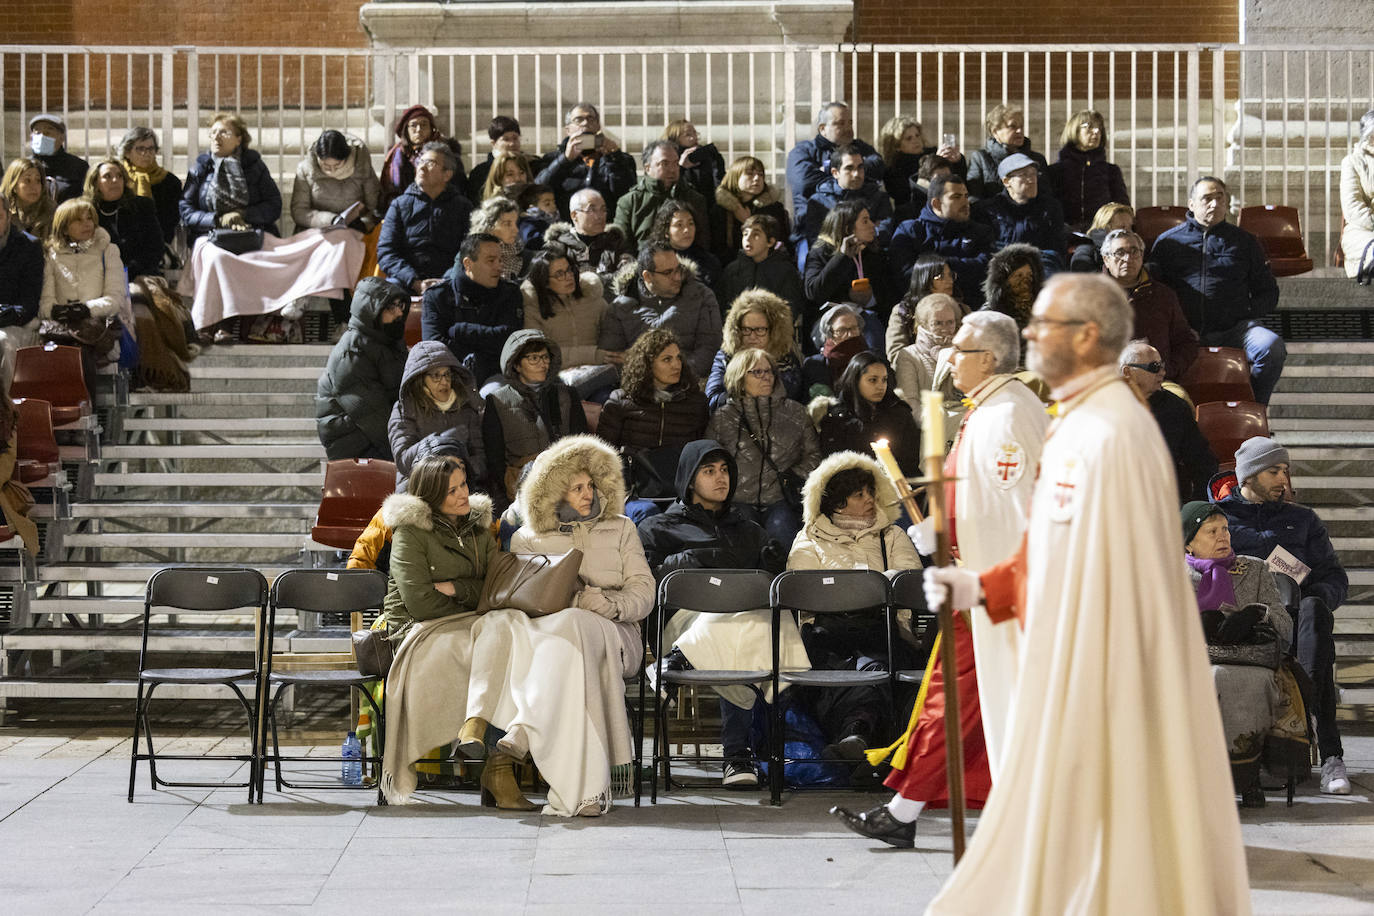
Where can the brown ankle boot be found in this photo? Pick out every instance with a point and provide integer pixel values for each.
(499, 786)
(472, 740)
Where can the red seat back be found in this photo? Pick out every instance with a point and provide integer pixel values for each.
(1218, 374)
(36, 450)
(1226, 424)
(52, 373)
(1151, 222)
(353, 492)
(413, 322)
(1280, 235)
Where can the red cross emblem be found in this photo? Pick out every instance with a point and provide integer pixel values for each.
(1004, 468)
(1063, 493)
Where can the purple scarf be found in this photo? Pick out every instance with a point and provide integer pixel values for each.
(1215, 589)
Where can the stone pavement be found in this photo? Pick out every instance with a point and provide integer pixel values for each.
(72, 844)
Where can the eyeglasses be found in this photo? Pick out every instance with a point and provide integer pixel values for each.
(843, 333)
(216, 133)
(670, 272)
(747, 331)
(538, 358)
(960, 351)
(592, 209)
(429, 164)
(760, 373)
(563, 274)
(1151, 368)
(1124, 254)
(1039, 321)
(442, 375)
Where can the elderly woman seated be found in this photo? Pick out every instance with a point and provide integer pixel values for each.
(556, 683)
(758, 318)
(231, 190)
(936, 321)
(1248, 630)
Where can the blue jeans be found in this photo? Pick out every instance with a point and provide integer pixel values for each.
(1264, 349)
(734, 729)
(637, 510)
(780, 521)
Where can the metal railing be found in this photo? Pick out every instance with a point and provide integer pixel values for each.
(1275, 121)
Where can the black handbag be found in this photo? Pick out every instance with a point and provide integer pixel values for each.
(237, 241)
(652, 474)
(373, 653)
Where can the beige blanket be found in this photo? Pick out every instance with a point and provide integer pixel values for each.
(426, 698)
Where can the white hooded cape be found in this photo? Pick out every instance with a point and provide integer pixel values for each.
(1115, 794)
(995, 466)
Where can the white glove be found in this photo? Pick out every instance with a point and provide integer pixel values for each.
(591, 599)
(923, 536)
(959, 584)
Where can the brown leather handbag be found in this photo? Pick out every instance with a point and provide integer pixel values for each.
(537, 583)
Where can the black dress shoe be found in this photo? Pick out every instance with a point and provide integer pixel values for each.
(878, 824)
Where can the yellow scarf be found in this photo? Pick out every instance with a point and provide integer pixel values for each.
(143, 181)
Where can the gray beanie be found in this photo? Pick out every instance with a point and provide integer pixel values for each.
(1257, 453)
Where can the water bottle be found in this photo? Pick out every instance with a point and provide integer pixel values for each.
(351, 772)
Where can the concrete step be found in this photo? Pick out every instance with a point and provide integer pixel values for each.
(246, 372)
(213, 451)
(110, 689)
(1343, 350)
(1318, 441)
(302, 401)
(126, 572)
(1363, 399)
(313, 480)
(129, 639)
(1328, 371)
(172, 510)
(1278, 423)
(120, 540)
(220, 425)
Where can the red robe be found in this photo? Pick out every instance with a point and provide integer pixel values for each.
(924, 776)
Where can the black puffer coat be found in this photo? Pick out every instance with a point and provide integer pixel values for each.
(1083, 181)
(354, 396)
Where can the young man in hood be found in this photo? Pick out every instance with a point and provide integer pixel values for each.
(703, 529)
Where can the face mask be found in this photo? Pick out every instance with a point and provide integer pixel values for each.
(43, 145)
(396, 330)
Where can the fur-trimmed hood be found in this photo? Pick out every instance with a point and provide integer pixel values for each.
(885, 493)
(552, 472)
(400, 509)
(563, 233)
(626, 279)
(730, 201)
(775, 309)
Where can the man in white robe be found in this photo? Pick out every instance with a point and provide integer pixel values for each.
(1115, 793)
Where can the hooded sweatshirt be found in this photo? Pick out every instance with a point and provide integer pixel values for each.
(416, 423)
(360, 383)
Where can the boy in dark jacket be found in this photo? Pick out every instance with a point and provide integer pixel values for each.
(762, 265)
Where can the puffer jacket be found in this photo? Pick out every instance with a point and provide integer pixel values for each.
(808, 164)
(473, 320)
(688, 536)
(575, 322)
(610, 174)
(769, 203)
(1220, 274)
(966, 246)
(414, 429)
(823, 545)
(842, 430)
(264, 198)
(693, 315)
(614, 570)
(22, 262)
(360, 383)
(93, 275)
(1257, 528)
(982, 168)
(1160, 320)
(1084, 180)
(1038, 222)
(872, 195)
(782, 344)
(316, 198)
(519, 422)
(777, 273)
(635, 212)
(427, 548)
(421, 235)
(133, 226)
(605, 254)
(776, 426)
(637, 426)
(829, 274)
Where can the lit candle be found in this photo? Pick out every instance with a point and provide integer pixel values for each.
(889, 463)
(933, 425)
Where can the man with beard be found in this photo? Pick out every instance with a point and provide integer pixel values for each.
(1114, 676)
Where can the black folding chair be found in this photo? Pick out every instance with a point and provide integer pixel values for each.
(823, 592)
(908, 592)
(344, 591)
(707, 591)
(202, 589)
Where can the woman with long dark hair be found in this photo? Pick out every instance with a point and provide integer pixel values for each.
(567, 307)
(867, 408)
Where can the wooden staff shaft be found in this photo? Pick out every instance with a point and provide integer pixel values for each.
(954, 737)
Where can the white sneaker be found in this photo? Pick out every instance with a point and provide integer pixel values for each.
(1334, 778)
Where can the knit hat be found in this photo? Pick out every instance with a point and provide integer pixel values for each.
(1012, 163)
(1257, 453)
(1194, 514)
(53, 119)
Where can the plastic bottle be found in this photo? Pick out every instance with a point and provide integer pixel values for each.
(351, 771)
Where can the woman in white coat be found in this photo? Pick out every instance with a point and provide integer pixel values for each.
(83, 284)
(555, 684)
(1357, 197)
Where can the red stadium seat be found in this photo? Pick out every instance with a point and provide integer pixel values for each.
(53, 373)
(36, 454)
(1218, 374)
(1151, 222)
(1280, 235)
(413, 322)
(1226, 424)
(353, 492)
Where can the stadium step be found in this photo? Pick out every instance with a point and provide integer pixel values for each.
(173, 510)
(219, 452)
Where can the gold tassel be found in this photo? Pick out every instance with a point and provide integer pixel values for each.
(898, 749)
